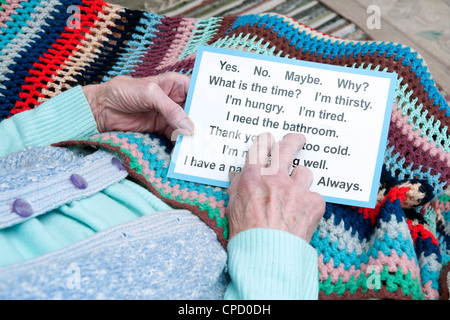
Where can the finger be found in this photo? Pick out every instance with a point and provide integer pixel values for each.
(303, 176)
(175, 85)
(172, 112)
(232, 175)
(260, 150)
(285, 150)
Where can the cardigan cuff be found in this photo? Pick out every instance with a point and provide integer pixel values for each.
(64, 117)
(271, 264)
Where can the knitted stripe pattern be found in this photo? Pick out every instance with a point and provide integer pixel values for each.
(442, 213)
(397, 250)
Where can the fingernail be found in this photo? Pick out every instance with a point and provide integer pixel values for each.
(187, 126)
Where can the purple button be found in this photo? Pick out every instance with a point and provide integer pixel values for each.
(78, 181)
(22, 207)
(118, 164)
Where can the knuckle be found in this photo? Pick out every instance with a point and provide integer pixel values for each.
(119, 79)
(266, 136)
(304, 173)
(122, 78)
(280, 181)
(173, 113)
(297, 137)
(152, 86)
(318, 204)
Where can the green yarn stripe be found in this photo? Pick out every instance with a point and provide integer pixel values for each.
(213, 213)
(391, 281)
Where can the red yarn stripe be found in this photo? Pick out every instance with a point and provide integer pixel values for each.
(419, 230)
(396, 193)
(57, 55)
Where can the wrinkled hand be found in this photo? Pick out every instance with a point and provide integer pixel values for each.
(266, 196)
(151, 104)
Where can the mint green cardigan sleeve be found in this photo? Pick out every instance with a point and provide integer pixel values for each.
(64, 117)
(268, 264)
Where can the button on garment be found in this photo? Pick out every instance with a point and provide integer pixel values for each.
(78, 181)
(116, 162)
(22, 207)
(49, 177)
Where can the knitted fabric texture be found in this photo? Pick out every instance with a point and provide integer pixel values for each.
(133, 259)
(41, 175)
(397, 250)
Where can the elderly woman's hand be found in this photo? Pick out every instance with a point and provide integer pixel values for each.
(266, 196)
(151, 104)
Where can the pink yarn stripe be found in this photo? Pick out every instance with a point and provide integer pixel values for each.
(111, 136)
(414, 137)
(444, 206)
(393, 262)
(176, 48)
(157, 181)
(327, 269)
(9, 9)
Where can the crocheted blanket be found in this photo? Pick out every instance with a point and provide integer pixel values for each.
(398, 250)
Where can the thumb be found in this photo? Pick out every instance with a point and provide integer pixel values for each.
(172, 112)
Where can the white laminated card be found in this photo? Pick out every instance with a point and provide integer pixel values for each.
(343, 112)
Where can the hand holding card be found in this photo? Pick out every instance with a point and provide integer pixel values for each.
(344, 114)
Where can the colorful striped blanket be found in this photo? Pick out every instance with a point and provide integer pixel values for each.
(399, 250)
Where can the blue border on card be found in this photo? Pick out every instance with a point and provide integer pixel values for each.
(383, 137)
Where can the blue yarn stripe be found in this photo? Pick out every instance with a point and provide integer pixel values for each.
(23, 63)
(161, 172)
(19, 20)
(137, 47)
